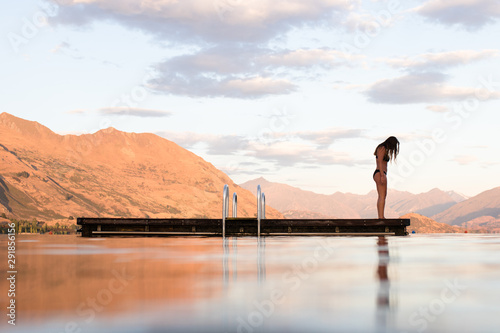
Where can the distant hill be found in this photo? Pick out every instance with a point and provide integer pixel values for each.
(424, 225)
(347, 205)
(287, 198)
(300, 214)
(110, 173)
(428, 203)
(481, 210)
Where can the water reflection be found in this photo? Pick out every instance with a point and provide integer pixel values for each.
(280, 284)
(383, 294)
(261, 260)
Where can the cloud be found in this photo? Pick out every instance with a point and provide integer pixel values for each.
(320, 139)
(287, 153)
(327, 58)
(218, 60)
(216, 21)
(464, 159)
(438, 61)
(470, 14)
(61, 46)
(227, 144)
(76, 111)
(421, 88)
(279, 148)
(136, 112)
(204, 86)
(256, 87)
(216, 144)
(66, 49)
(368, 22)
(325, 138)
(227, 33)
(240, 71)
(184, 139)
(438, 108)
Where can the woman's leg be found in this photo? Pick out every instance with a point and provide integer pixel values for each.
(382, 194)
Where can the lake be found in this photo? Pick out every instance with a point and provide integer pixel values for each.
(417, 283)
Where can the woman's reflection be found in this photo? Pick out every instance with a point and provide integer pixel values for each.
(383, 295)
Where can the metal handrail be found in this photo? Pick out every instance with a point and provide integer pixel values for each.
(259, 210)
(263, 206)
(225, 209)
(235, 204)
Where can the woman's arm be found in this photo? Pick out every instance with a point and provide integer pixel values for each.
(380, 164)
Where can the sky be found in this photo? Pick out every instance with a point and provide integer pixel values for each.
(298, 92)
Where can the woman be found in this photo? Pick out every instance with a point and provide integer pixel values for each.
(385, 152)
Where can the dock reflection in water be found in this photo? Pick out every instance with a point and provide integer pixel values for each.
(280, 284)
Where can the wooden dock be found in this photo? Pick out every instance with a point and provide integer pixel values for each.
(238, 227)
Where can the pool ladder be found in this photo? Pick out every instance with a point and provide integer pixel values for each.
(261, 208)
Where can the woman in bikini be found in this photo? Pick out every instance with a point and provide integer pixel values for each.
(385, 152)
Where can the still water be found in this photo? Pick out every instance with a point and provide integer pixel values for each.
(418, 283)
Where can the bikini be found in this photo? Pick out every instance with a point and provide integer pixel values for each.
(386, 159)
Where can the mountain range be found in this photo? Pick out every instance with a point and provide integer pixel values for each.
(110, 173)
(289, 199)
(481, 212)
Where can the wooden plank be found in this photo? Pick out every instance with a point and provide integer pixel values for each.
(330, 234)
(153, 233)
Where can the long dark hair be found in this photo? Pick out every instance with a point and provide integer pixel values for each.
(391, 145)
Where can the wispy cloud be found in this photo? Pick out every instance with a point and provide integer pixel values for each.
(470, 14)
(421, 88)
(367, 22)
(288, 153)
(66, 49)
(441, 60)
(136, 112)
(464, 159)
(76, 111)
(324, 138)
(438, 108)
(215, 144)
(241, 72)
(200, 85)
(327, 58)
(257, 86)
(280, 148)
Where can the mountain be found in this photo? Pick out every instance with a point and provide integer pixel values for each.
(286, 198)
(458, 197)
(481, 210)
(301, 214)
(109, 173)
(424, 225)
(428, 203)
